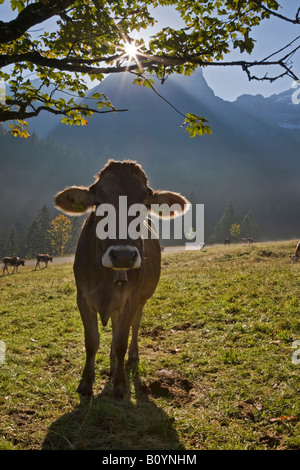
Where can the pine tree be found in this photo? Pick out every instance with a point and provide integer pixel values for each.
(43, 221)
(12, 241)
(222, 230)
(249, 227)
(1, 245)
(31, 239)
(76, 225)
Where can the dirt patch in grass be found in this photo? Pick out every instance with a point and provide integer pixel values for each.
(170, 384)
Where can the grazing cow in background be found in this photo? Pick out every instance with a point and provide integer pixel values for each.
(115, 276)
(295, 256)
(14, 261)
(44, 259)
(227, 241)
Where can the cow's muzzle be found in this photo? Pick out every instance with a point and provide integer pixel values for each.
(121, 257)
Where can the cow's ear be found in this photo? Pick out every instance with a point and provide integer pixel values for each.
(168, 204)
(75, 200)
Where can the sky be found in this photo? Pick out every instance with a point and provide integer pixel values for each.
(231, 82)
(271, 35)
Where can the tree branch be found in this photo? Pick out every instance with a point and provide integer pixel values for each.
(246, 65)
(31, 15)
(67, 65)
(79, 65)
(21, 113)
(278, 15)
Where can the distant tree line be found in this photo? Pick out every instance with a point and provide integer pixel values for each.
(59, 235)
(56, 236)
(228, 227)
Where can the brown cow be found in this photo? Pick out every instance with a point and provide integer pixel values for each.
(14, 261)
(43, 259)
(296, 255)
(114, 277)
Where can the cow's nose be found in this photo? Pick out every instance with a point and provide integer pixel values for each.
(122, 257)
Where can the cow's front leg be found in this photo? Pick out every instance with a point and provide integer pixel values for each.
(91, 335)
(133, 353)
(119, 348)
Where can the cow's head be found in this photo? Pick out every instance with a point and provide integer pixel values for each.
(114, 180)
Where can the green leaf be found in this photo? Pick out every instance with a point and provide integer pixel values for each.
(197, 125)
(17, 5)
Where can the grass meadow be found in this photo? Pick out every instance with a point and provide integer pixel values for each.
(216, 369)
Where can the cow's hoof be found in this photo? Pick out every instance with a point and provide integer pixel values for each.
(85, 389)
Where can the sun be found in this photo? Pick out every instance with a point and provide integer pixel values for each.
(130, 49)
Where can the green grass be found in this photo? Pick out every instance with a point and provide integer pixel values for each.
(215, 371)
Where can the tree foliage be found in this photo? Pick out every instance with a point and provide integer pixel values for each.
(228, 219)
(1, 244)
(90, 38)
(228, 226)
(31, 239)
(60, 233)
(37, 237)
(43, 221)
(12, 241)
(235, 230)
(249, 226)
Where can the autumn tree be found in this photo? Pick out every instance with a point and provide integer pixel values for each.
(98, 37)
(235, 231)
(60, 233)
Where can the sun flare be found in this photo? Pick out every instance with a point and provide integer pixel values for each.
(130, 49)
(131, 52)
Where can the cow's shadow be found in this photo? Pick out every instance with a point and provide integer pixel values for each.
(106, 423)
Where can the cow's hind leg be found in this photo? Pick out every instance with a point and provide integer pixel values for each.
(91, 334)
